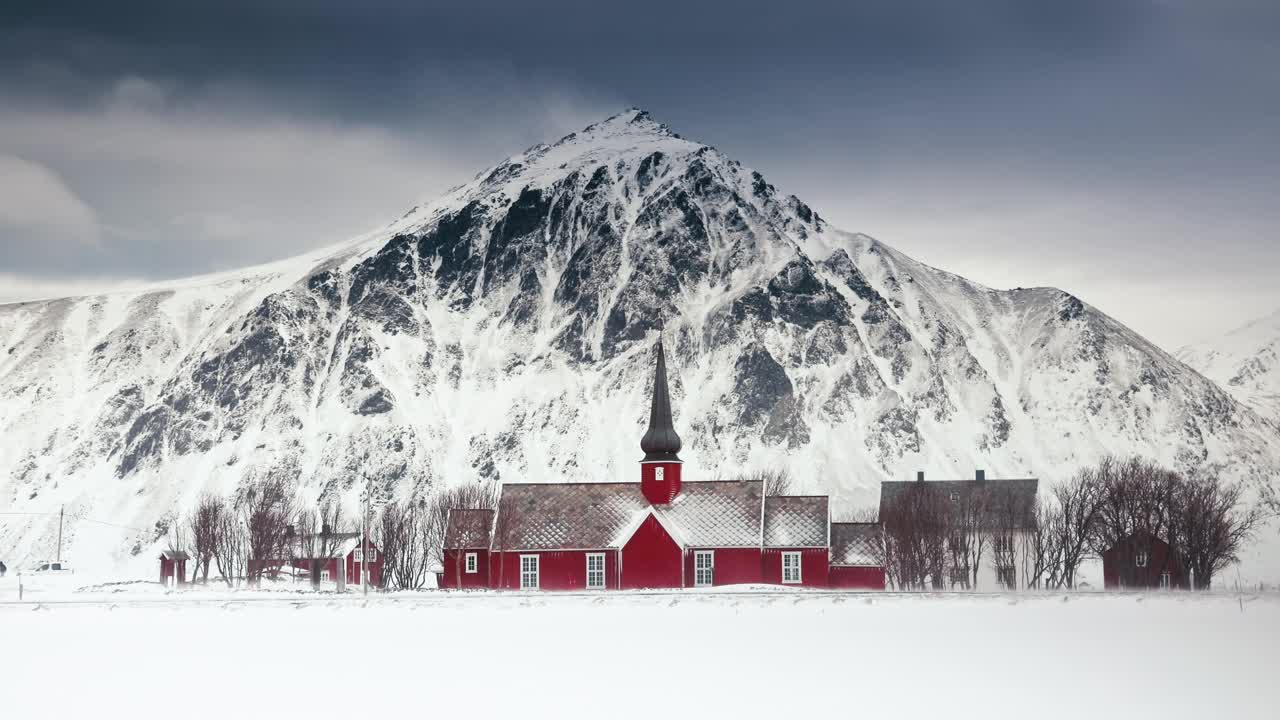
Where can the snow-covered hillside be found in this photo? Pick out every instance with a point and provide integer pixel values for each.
(505, 331)
(1245, 361)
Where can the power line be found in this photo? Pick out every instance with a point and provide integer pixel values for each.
(82, 519)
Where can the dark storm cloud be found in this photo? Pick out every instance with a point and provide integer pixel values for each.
(1094, 145)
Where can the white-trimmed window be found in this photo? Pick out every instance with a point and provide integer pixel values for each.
(324, 576)
(790, 567)
(471, 562)
(704, 568)
(595, 571)
(659, 473)
(528, 572)
(1166, 580)
(1141, 558)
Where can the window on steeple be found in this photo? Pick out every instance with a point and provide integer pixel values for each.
(658, 473)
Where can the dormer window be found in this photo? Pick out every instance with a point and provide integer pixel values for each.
(658, 473)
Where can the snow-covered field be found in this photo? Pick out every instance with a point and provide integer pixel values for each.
(711, 655)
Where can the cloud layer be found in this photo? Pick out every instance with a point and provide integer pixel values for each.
(1126, 151)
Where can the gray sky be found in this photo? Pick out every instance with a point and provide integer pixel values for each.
(1128, 152)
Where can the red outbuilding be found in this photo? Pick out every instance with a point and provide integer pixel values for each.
(1142, 561)
(173, 568)
(663, 532)
(857, 556)
(327, 555)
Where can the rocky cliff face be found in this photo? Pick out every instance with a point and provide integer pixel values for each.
(505, 331)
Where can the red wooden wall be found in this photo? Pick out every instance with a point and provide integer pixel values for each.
(731, 566)
(857, 578)
(557, 569)
(651, 558)
(455, 570)
(813, 566)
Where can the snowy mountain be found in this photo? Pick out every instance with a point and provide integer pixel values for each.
(1245, 361)
(505, 331)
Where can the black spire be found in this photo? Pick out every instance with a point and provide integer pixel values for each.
(660, 442)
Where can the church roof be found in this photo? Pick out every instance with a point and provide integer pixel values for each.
(857, 544)
(795, 521)
(588, 516)
(468, 529)
(660, 441)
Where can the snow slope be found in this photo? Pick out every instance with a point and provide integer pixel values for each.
(1167, 656)
(505, 329)
(1245, 361)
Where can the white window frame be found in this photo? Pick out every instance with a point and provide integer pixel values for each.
(599, 573)
(795, 556)
(1166, 580)
(536, 572)
(324, 576)
(660, 473)
(1142, 558)
(710, 569)
(472, 562)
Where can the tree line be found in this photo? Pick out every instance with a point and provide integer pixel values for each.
(935, 540)
(263, 527)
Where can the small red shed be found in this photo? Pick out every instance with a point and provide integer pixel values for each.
(1142, 561)
(173, 568)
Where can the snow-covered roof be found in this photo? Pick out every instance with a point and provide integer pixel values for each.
(795, 521)
(1007, 502)
(336, 545)
(857, 544)
(174, 555)
(468, 529)
(584, 516)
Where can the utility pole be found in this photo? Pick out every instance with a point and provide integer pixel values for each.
(60, 511)
(364, 542)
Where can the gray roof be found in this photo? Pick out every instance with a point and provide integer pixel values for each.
(587, 516)
(468, 529)
(1001, 498)
(795, 521)
(334, 545)
(857, 544)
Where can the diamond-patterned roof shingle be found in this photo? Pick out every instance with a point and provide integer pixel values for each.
(468, 529)
(857, 544)
(587, 516)
(795, 521)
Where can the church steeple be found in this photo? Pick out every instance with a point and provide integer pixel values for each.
(660, 468)
(660, 442)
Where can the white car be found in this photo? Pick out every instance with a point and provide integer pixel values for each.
(56, 567)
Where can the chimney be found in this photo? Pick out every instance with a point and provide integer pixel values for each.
(325, 529)
(920, 476)
(980, 475)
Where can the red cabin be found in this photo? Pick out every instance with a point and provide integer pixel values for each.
(663, 532)
(1142, 561)
(173, 568)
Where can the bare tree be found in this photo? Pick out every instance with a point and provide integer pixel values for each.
(917, 527)
(202, 531)
(406, 550)
(1209, 522)
(230, 544)
(1074, 522)
(267, 507)
(319, 533)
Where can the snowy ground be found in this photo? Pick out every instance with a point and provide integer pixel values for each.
(140, 654)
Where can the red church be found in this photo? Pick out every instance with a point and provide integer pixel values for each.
(662, 533)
